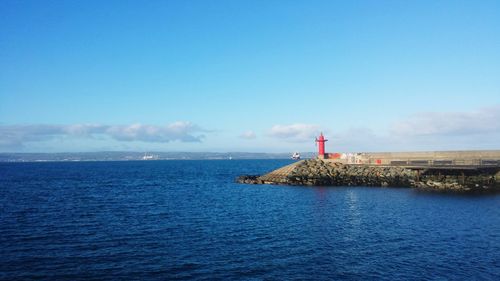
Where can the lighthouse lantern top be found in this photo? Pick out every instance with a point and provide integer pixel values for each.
(321, 138)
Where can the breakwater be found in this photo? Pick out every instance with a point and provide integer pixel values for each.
(317, 172)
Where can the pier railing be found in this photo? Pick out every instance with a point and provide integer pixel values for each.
(422, 159)
(438, 163)
(441, 162)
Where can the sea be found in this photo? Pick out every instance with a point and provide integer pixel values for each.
(189, 220)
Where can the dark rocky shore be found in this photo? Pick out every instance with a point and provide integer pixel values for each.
(316, 172)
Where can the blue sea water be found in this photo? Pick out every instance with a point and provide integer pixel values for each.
(183, 220)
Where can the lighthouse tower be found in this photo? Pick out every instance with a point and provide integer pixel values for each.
(321, 146)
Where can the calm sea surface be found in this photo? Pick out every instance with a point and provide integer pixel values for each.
(164, 220)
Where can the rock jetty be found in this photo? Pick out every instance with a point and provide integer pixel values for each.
(316, 172)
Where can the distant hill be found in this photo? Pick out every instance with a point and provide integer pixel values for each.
(131, 156)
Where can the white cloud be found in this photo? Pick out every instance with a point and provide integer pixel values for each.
(12, 136)
(478, 129)
(180, 131)
(248, 135)
(482, 121)
(295, 132)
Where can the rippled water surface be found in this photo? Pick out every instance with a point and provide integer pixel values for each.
(169, 220)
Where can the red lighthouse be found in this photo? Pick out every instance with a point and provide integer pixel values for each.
(321, 145)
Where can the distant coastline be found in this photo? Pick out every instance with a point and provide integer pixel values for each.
(138, 156)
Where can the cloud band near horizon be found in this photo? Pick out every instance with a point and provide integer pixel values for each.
(475, 129)
(15, 136)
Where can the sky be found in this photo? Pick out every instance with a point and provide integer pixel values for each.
(249, 76)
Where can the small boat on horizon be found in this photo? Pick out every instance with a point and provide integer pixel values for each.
(149, 157)
(296, 156)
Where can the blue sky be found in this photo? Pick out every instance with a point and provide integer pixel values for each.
(249, 75)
